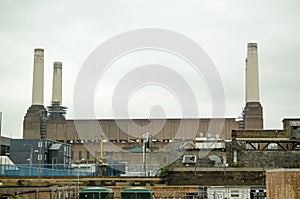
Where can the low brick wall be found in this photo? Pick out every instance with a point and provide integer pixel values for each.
(260, 134)
(217, 177)
(269, 159)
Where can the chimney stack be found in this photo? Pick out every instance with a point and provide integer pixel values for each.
(253, 112)
(56, 110)
(38, 77)
(252, 77)
(57, 84)
(33, 128)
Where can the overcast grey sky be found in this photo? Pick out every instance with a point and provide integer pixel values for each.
(70, 30)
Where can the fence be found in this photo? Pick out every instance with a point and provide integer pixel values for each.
(40, 170)
(78, 170)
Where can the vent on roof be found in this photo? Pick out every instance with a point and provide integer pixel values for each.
(189, 159)
(216, 159)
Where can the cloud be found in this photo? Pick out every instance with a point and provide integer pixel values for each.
(69, 31)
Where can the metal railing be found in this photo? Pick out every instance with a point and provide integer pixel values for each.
(40, 170)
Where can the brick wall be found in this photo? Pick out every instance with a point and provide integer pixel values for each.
(269, 159)
(119, 130)
(283, 183)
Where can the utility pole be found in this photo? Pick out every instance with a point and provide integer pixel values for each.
(30, 157)
(101, 165)
(101, 150)
(144, 157)
(40, 156)
(146, 145)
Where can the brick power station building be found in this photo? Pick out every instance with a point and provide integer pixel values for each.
(237, 151)
(50, 122)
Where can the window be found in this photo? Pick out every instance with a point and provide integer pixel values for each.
(40, 144)
(235, 193)
(273, 146)
(79, 155)
(87, 155)
(253, 146)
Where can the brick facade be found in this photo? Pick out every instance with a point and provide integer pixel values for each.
(283, 183)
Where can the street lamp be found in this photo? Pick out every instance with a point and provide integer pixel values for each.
(146, 145)
(30, 156)
(78, 182)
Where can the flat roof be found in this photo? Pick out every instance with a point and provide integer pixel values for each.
(137, 189)
(96, 189)
(283, 170)
(5, 141)
(291, 119)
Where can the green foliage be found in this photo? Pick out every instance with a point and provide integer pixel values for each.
(164, 172)
(238, 164)
(293, 165)
(16, 197)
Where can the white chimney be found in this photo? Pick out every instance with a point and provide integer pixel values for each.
(252, 77)
(38, 77)
(57, 83)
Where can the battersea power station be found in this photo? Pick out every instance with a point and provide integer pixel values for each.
(49, 122)
(232, 141)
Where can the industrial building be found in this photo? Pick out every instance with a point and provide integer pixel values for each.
(5, 145)
(49, 122)
(42, 152)
(241, 161)
(231, 163)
